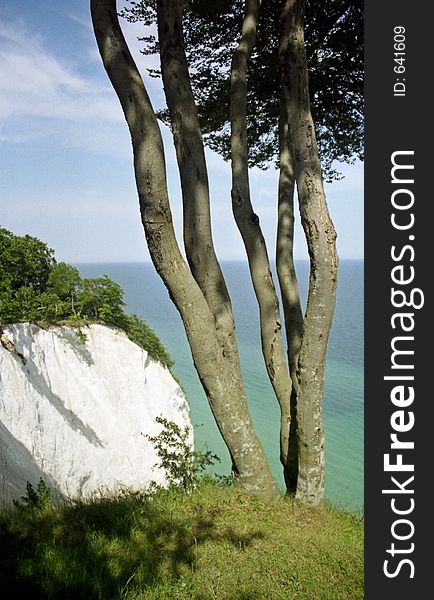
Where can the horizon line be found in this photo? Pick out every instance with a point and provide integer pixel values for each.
(227, 260)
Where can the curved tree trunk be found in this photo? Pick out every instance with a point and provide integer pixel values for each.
(249, 227)
(288, 279)
(223, 389)
(321, 240)
(190, 153)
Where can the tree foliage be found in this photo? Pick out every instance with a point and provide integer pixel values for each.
(334, 48)
(25, 262)
(140, 333)
(183, 466)
(63, 280)
(101, 299)
(34, 287)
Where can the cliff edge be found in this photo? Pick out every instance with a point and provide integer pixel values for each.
(73, 410)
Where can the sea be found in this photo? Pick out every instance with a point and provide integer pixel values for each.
(146, 296)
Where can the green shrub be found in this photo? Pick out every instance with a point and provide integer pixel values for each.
(139, 332)
(81, 335)
(39, 498)
(34, 287)
(183, 465)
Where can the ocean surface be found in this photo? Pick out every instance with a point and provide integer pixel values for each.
(343, 401)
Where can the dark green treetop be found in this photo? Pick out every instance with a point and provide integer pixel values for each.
(334, 47)
(25, 262)
(34, 287)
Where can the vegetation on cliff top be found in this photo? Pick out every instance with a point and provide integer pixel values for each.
(34, 287)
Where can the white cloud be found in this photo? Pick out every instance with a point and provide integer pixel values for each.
(34, 83)
(353, 179)
(42, 95)
(86, 23)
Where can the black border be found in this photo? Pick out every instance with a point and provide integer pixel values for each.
(397, 123)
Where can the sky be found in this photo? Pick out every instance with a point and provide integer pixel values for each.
(66, 172)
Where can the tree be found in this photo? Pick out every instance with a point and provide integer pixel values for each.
(334, 51)
(64, 281)
(34, 287)
(102, 299)
(25, 262)
(200, 293)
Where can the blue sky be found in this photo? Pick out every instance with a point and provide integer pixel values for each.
(65, 158)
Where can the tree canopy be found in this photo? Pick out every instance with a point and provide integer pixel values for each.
(334, 48)
(25, 262)
(34, 287)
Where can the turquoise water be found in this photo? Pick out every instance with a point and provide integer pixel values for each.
(343, 400)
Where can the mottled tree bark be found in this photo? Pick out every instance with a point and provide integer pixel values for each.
(288, 280)
(190, 154)
(321, 240)
(249, 227)
(223, 388)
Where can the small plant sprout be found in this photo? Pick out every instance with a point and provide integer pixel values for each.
(39, 498)
(183, 465)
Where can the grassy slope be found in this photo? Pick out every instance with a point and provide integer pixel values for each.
(215, 543)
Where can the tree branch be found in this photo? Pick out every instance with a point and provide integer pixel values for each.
(249, 227)
(321, 240)
(190, 154)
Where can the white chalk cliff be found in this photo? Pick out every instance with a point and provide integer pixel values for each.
(75, 413)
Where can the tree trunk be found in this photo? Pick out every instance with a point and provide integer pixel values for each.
(288, 280)
(249, 227)
(187, 137)
(190, 154)
(224, 391)
(321, 240)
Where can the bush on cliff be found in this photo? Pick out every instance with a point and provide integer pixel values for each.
(34, 287)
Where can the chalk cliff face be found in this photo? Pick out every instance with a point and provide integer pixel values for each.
(75, 413)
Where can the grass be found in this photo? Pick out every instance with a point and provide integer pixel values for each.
(216, 542)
